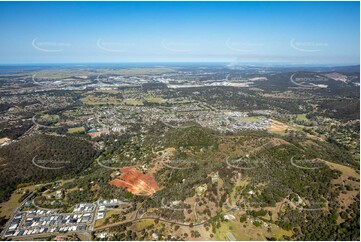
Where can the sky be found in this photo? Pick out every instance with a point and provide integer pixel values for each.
(309, 33)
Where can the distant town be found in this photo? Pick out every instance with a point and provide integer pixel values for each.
(178, 153)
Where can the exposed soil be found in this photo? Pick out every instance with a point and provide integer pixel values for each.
(135, 181)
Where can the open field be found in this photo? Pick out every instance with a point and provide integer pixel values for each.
(283, 95)
(6, 208)
(301, 117)
(248, 231)
(346, 171)
(76, 130)
(9, 206)
(3, 140)
(94, 100)
(50, 117)
(133, 102)
(278, 127)
(347, 197)
(108, 215)
(142, 224)
(155, 100)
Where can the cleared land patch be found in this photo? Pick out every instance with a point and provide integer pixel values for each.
(278, 127)
(135, 181)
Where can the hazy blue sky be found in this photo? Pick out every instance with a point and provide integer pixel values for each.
(267, 32)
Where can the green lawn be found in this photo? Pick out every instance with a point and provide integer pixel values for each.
(76, 130)
(301, 117)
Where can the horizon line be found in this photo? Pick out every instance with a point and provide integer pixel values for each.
(182, 62)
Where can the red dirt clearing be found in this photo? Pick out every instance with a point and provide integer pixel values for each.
(135, 181)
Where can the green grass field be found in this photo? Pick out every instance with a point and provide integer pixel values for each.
(6, 208)
(248, 231)
(133, 102)
(108, 214)
(301, 117)
(93, 100)
(76, 130)
(158, 100)
(51, 117)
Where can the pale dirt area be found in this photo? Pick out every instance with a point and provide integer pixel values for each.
(347, 198)
(3, 140)
(277, 127)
